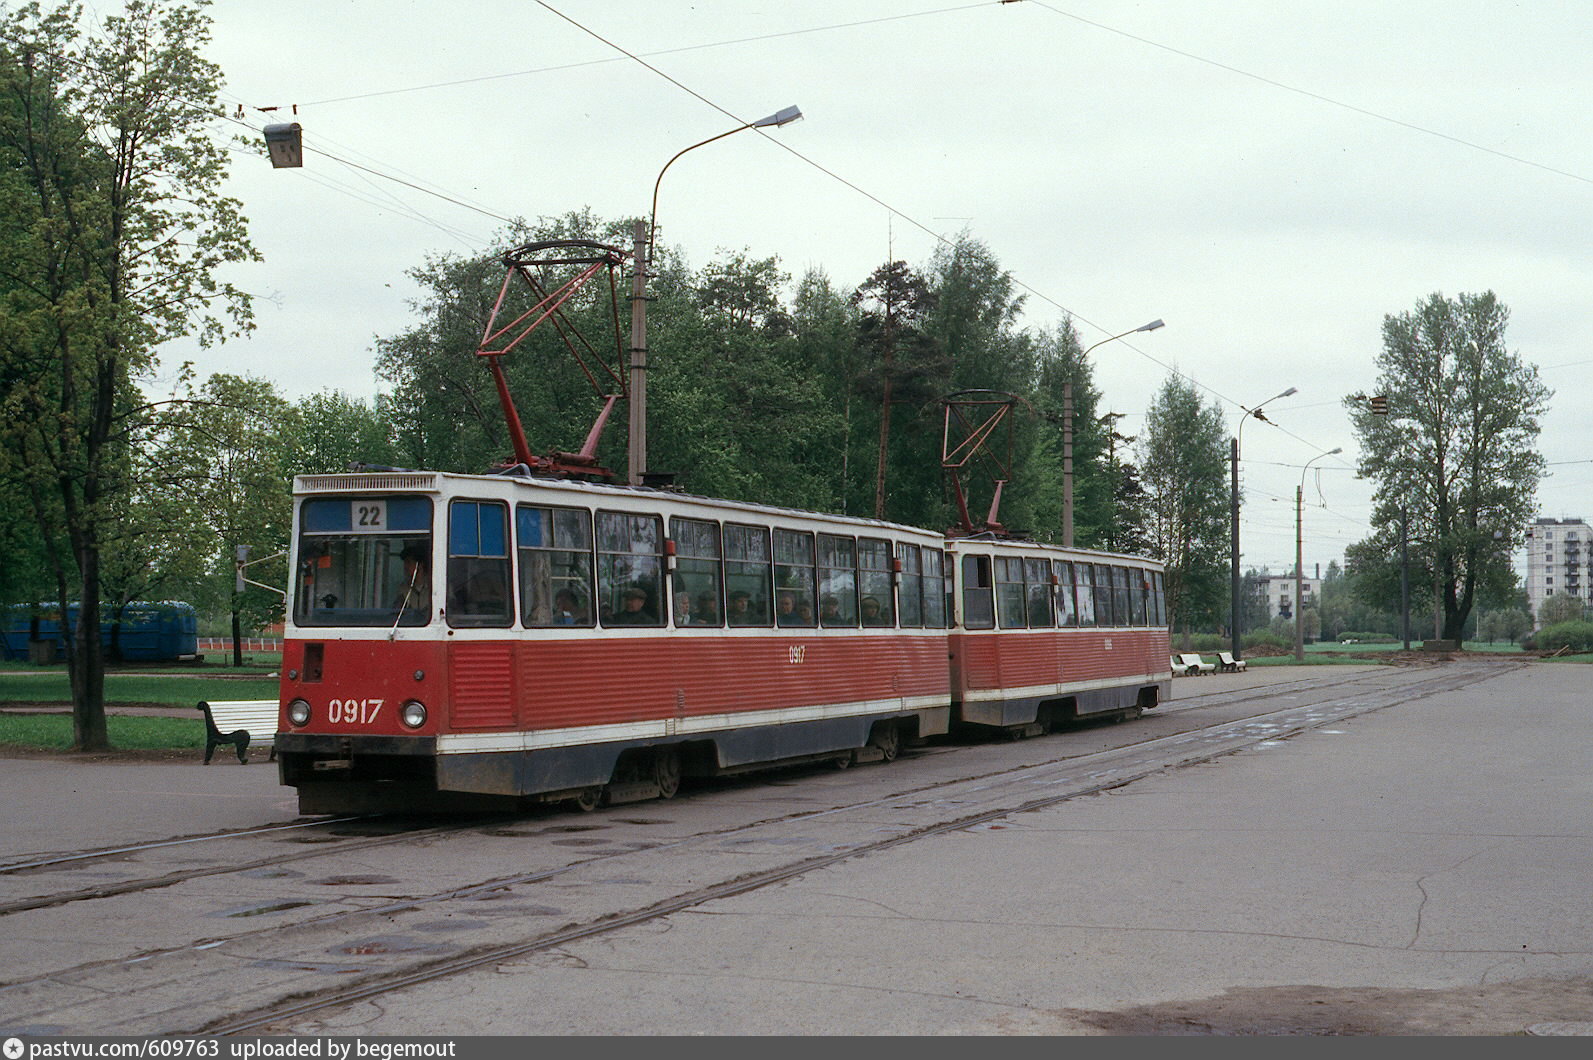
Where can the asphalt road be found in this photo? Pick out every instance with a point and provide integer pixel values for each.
(1420, 869)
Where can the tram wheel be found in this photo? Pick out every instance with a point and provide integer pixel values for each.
(666, 771)
(588, 800)
(888, 738)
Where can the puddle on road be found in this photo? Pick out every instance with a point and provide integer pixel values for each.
(380, 944)
(259, 910)
(354, 881)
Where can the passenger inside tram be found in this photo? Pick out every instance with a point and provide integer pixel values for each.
(633, 610)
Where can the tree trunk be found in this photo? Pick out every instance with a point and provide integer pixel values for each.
(86, 663)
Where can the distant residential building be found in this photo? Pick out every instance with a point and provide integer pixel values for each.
(1556, 552)
(1278, 592)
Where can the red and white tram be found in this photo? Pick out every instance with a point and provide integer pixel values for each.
(459, 640)
(473, 641)
(1045, 635)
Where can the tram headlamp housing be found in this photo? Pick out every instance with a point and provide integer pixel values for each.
(413, 714)
(299, 713)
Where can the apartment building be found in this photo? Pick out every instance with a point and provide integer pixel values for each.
(1556, 552)
(1278, 592)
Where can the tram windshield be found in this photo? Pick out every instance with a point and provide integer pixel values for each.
(364, 562)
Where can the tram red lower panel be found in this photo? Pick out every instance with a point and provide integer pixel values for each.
(1009, 666)
(538, 685)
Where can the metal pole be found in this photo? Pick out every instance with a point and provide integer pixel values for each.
(637, 458)
(1067, 435)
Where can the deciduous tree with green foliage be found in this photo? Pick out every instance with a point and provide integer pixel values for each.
(1456, 454)
(112, 231)
(1183, 467)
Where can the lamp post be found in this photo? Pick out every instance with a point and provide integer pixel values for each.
(1236, 619)
(1299, 556)
(1067, 433)
(642, 248)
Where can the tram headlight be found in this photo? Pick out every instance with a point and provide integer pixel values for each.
(413, 714)
(299, 713)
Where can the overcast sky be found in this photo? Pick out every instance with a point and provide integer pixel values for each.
(1270, 177)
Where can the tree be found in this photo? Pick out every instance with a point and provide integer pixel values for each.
(1455, 453)
(1183, 470)
(330, 430)
(1509, 624)
(903, 363)
(1561, 607)
(232, 433)
(112, 229)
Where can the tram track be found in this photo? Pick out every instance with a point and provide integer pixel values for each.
(56, 862)
(282, 1015)
(597, 890)
(341, 846)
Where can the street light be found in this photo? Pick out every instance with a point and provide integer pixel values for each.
(1299, 556)
(642, 245)
(1237, 618)
(1067, 433)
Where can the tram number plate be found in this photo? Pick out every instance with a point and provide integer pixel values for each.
(798, 652)
(353, 711)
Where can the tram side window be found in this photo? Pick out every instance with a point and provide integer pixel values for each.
(1037, 576)
(478, 564)
(937, 594)
(555, 565)
(630, 563)
(747, 576)
(1158, 600)
(1104, 614)
(698, 583)
(911, 590)
(1066, 613)
(1122, 605)
(874, 582)
(837, 581)
(1139, 585)
(1009, 592)
(1084, 592)
(793, 578)
(978, 609)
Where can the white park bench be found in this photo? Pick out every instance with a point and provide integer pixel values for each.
(238, 723)
(1194, 665)
(1229, 664)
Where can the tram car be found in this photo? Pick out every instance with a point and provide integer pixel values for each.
(464, 641)
(479, 641)
(1046, 635)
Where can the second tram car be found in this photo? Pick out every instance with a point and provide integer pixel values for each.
(477, 641)
(1045, 635)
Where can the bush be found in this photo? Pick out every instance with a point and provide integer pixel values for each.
(1262, 638)
(1578, 636)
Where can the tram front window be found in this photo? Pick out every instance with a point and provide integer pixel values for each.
(364, 563)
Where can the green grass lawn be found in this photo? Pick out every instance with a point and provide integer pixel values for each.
(53, 732)
(165, 689)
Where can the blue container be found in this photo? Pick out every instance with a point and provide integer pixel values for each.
(142, 632)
